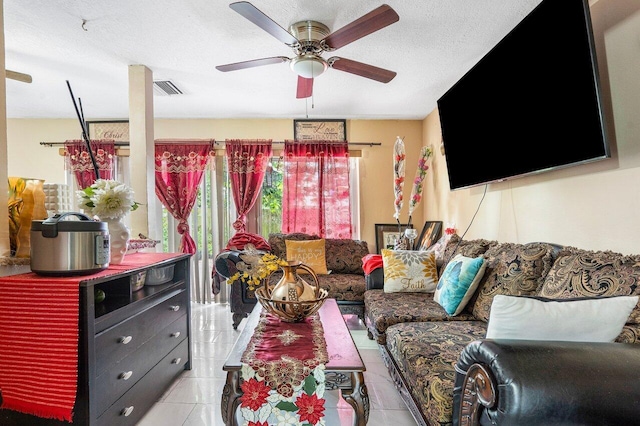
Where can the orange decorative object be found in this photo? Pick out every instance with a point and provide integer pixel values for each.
(26, 203)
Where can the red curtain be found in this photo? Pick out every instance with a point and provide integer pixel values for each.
(247, 162)
(179, 166)
(78, 160)
(315, 197)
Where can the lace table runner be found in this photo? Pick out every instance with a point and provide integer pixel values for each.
(283, 373)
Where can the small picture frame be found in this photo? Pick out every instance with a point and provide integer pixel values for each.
(387, 234)
(430, 234)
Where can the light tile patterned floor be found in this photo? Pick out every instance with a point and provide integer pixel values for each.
(194, 398)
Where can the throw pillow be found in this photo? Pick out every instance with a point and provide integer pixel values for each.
(579, 320)
(309, 252)
(409, 271)
(458, 283)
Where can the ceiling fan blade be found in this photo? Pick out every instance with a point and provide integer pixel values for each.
(305, 88)
(14, 75)
(253, 14)
(252, 63)
(363, 70)
(367, 24)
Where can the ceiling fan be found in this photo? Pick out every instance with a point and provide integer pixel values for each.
(14, 75)
(309, 39)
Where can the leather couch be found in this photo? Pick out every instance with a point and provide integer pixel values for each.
(447, 372)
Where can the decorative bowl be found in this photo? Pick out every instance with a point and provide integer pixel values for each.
(290, 310)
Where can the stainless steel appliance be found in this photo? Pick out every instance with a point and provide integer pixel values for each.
(69, 244)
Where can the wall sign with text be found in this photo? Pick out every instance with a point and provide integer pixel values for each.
(320, 130)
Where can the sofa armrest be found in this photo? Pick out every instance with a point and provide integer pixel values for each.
(547, 382)
(375, 280)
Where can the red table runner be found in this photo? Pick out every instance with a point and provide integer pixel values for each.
(283, 372)
(39, 338)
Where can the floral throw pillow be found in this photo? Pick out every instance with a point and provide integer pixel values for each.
(458, 282)
(409, 271)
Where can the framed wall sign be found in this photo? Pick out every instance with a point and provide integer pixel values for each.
(117, 130)
(320, 130)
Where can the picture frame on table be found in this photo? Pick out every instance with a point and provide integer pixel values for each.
(387, 234)
(431, 232)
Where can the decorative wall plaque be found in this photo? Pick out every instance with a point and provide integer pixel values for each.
(320, 130)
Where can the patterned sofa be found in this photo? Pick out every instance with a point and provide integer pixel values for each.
(421, 344)
(345, 283)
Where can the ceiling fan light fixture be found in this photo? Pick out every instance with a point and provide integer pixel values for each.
(308, 66)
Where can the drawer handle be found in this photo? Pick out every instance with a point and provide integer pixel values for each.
(125, 375)
(176, 334)
(125, 339)
(126, 411)
(174, 308)
(176, 361)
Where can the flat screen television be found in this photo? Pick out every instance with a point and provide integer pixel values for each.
(531, 104)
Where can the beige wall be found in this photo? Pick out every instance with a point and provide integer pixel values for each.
(30, 159)
(594, 206)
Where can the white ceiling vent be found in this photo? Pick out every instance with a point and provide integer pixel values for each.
(166, 87)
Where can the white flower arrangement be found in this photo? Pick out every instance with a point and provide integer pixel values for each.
(107, 199)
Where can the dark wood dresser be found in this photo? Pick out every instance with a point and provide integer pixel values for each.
(132, 346)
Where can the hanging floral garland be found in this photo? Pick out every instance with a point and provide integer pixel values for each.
(416, 192)
(398, 177)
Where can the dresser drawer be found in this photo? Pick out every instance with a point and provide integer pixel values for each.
(117, 342)
(136, 401)
(121, 376)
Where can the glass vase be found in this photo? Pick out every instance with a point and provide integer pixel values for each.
(119, 235)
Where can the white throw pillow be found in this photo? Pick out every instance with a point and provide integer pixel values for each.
(583, 320)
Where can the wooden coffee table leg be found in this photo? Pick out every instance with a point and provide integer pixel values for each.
(230, 394)
(358, 398)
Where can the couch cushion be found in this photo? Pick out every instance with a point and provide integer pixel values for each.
(583, 273)
(279, 245)
(426, 353)
(409, 271)
(342, 287)
(468, 248)
(459, 281)
(583, 320)
(344, 256)
(513, 270)
(310, 252)
(383, 310)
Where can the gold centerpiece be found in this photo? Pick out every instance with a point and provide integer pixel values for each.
(292, 298)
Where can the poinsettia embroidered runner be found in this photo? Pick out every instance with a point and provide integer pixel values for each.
(39, 339)
(283, 373)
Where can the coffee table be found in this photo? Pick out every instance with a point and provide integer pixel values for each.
(344, 371)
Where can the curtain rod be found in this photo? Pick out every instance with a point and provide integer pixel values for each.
(50, 144)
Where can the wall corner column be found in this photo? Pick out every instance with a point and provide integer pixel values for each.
(141, 145)
(5, 246)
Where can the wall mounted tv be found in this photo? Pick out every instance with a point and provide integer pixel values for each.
(531, 104)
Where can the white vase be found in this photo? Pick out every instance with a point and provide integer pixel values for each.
(118, 239)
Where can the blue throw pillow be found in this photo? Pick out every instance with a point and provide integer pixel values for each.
(458, 283)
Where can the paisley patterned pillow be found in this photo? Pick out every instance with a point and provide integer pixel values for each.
(409, 271)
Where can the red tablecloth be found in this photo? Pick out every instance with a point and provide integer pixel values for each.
(39, 338)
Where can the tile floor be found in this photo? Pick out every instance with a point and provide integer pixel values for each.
(194, 398)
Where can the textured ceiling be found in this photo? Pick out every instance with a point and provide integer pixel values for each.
(432, 45)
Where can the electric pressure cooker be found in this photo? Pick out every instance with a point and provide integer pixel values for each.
(69, 244)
